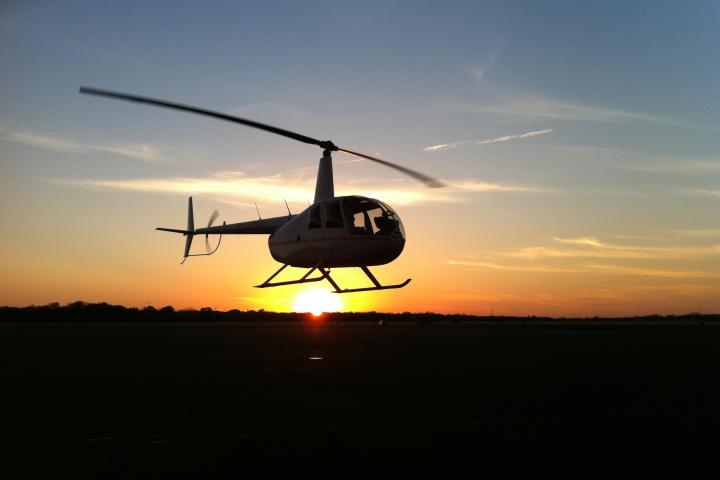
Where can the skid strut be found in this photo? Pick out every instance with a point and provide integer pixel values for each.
(325, 275)
(304, 279)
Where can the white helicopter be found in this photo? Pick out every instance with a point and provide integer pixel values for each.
(333, 232)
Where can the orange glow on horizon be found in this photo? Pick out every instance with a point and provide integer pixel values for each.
(317, 301)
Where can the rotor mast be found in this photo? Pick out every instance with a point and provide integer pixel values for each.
(324, 186)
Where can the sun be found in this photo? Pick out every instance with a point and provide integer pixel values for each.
(317, 301)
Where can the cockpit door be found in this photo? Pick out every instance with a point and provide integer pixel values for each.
(365, 216)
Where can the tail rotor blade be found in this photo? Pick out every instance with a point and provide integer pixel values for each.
(213, 217)
(215, 214)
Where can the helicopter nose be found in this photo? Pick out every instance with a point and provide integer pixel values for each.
(393, 247)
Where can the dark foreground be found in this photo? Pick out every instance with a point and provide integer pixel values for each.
(402, 401)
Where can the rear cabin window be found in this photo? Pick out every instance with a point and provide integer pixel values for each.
(314, 217)
(332, 217)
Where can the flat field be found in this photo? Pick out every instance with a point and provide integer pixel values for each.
(358, 400)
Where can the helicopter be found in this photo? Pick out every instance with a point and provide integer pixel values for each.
(333, 232)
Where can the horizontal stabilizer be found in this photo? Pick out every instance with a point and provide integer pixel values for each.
(173, 230)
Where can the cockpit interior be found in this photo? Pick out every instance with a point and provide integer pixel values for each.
(358, 216)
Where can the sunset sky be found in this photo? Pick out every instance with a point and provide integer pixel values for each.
(580, 142)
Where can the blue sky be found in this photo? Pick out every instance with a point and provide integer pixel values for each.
(624, 94)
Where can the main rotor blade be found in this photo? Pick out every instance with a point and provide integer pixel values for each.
(325, 144)
(428, 181)
(201, 111)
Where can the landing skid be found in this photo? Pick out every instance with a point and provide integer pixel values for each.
(325, 275)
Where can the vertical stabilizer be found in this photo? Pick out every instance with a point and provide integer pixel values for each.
(324, 187)
(191, 220)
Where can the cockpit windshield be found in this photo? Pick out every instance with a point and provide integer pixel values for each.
(366, 216)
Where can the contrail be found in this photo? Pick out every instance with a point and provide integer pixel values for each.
(506, 138)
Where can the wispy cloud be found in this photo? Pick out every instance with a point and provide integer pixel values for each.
(680, 166)
(457, 186)
(506, 138)
(588, 247)
(143, 152)
(700, 192)
(234, 187)
(511, 268)
(651, 272)
(591, 256)
(536, 107)
(479, 71)
(404, 193)
(700, 232)
(593, 268)
(224, 185)
(239, 189)
(480, 186)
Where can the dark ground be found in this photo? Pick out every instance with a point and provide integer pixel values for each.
(402, 401)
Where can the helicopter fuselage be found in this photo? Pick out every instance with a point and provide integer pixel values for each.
(350, 231)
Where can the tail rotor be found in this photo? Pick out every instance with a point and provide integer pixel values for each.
(215, 214)
(190, 232)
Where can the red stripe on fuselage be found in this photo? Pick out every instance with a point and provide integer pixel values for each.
(327, 239)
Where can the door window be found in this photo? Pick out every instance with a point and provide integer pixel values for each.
(369, 217)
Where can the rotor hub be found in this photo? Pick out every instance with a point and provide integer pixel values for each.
(328, 146)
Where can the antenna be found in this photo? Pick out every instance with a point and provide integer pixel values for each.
(258, 212)
(288, 208)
